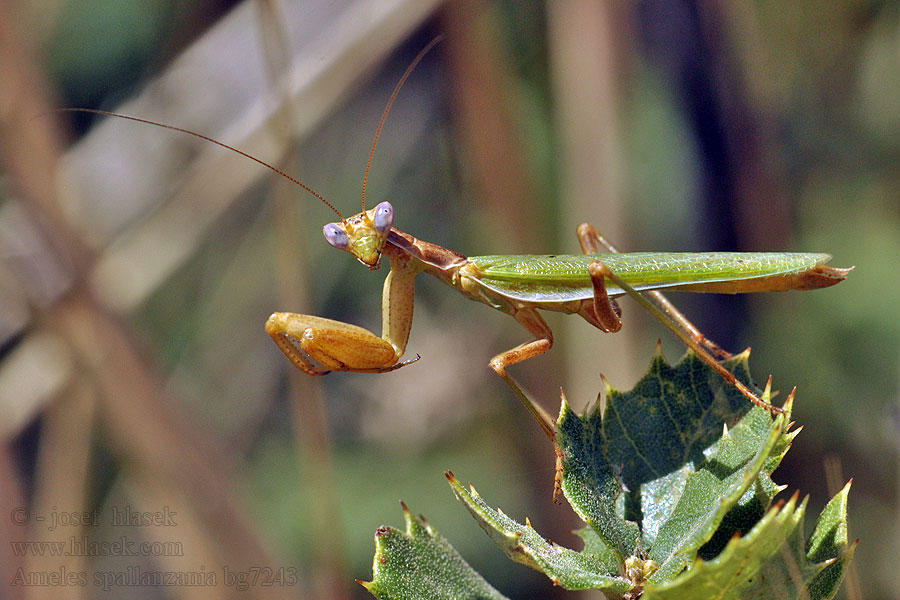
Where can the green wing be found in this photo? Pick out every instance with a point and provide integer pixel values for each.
(564, 277)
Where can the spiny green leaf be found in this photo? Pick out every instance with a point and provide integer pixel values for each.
(595, 546)
(674, 483)
(670, 416)
(829, 543)
(590, 482)
(711, 488)
(659, 470)
(753, 504)
(421, 564)
(771, 561)
(567, 568)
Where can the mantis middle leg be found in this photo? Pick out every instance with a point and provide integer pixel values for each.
(529, 319)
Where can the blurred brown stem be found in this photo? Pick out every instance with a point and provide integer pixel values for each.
(309, 417)
(140, 427)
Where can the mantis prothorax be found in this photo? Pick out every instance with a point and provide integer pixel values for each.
(519, 285)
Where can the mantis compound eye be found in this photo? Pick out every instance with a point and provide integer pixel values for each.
(335, 236)
(384, 217)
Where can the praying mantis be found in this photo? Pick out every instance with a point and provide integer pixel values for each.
(520, 286)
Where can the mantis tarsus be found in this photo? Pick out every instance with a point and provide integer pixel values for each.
(519, 286)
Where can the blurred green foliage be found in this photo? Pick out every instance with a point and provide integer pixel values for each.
(822, 78)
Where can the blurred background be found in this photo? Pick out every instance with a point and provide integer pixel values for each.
(139, 265)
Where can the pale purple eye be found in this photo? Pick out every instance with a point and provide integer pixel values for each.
(335, 236)
(384, 217)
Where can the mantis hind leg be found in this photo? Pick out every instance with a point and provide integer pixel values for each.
(591, 241)
(601, 311)
(659, 306)
(597, 268)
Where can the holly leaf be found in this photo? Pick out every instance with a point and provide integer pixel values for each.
(656, 472)
(594, 568)
(420, 564)
(673, 480)
(772, 560)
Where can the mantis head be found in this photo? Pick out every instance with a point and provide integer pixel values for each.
(363, 235)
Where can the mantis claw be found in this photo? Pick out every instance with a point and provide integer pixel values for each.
(393, 367)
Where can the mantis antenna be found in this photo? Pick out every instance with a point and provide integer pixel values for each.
(107, 113)
(302, 185)
(207, 139)
(387, 109)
